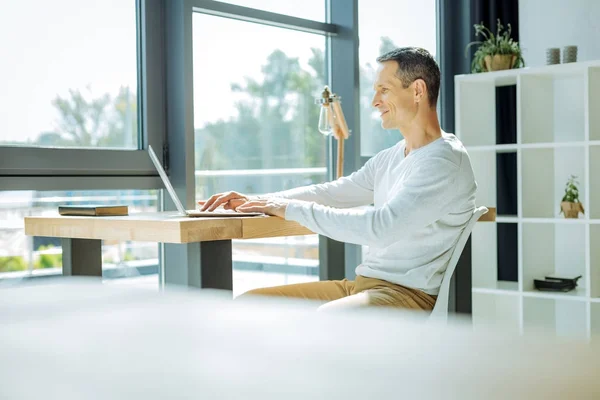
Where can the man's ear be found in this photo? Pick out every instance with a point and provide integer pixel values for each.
(420, 90)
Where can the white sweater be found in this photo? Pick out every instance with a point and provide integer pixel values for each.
(422, 203)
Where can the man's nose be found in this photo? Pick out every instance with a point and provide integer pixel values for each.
(376, 101)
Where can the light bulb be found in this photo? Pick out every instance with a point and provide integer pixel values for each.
(324, 125)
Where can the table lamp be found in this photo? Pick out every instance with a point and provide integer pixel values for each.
(332, 121)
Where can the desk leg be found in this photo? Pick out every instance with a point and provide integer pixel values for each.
(206, 265)
(216, 265)
(82, 257)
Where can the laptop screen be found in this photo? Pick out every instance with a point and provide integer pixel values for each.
(166, 181)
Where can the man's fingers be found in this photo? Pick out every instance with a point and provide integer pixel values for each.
(252, 203)
(210, 201)
(229, 200)
(233, 204)
(206, 203)
(222, 199)
(251, 209)
(215, 201)
(247, 205)
(253, 206)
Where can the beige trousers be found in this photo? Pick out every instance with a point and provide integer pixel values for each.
(345, 294)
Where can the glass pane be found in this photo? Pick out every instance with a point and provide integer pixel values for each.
(379, 33)
(256, 131)
(69, 78)
(307, 9)
(22, 256)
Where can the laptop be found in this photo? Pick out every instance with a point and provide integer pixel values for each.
(192, 213)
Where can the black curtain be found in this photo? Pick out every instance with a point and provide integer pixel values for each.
(488, 12)
(455, 30)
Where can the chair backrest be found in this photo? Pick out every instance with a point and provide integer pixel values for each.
(440, 310)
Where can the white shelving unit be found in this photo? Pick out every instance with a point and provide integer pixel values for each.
(557, 135)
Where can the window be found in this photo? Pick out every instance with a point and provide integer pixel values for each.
(382, 29)
(23, 256)
(256, 131)
(69, 74)
(307, 9)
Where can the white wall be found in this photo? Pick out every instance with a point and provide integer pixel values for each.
(558, 23)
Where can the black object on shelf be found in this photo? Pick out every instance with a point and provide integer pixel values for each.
(553, 284)
(507, 252)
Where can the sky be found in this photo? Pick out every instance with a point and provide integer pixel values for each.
(51, 47)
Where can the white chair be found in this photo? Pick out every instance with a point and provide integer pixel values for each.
(440, 310)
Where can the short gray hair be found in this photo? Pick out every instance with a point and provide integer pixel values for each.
(416, 63)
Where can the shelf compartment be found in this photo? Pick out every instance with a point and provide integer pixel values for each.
(496, 312)
(557, 220)
(595, 322)
(484, 168)
(507, 252)
(593, 209)
(495, 256)
(476, 113)
(595, 261)
(554, 250)
(506, 114)
(579, 294)
(552, 107)
(544, 175)
(500, 287)
(506, 183)
(484, 242)
(560, 318)
(594, 102)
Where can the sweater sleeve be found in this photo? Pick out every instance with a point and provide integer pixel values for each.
(346, 192)
(429, 193)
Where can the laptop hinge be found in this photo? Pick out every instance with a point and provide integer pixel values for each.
(166, 157)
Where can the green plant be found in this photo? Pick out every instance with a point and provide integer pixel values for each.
(12, 263)
(128, 256)
(500, 43)
(571, 191)
(47, 260)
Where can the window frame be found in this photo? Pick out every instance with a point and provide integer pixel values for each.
(337, 260)
(43, 168)
(165, 119)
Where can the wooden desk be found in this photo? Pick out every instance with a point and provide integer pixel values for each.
(202, 245)
(205, 242)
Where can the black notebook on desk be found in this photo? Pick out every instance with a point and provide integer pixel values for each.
(94, 210)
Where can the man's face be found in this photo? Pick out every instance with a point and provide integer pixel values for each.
(395, 103)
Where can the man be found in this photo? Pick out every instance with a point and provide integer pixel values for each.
(423, 191)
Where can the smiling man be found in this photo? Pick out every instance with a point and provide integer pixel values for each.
(422, 192)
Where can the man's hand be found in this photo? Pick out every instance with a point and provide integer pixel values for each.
(229, 200)
(272, 206)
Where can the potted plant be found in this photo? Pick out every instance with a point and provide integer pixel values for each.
(570, 205)
(496, 52)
